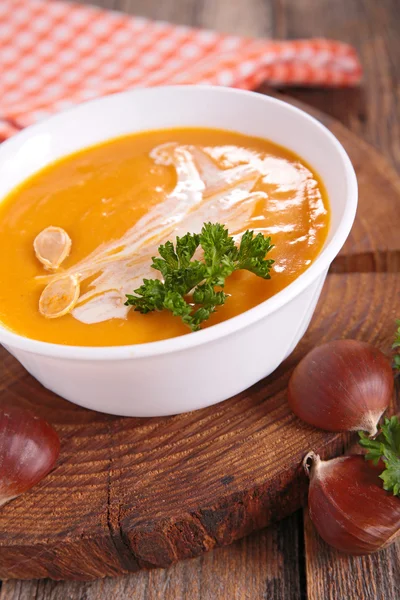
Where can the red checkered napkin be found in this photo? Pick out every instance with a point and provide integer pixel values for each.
(56, 54)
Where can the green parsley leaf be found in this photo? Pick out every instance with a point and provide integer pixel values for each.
(151, 296)
(186, 246)
(193, 289)
(178, 306)
(396, 343)
(386, 447)
(395, 346)
(251, 255)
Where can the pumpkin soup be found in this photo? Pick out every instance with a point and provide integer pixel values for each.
(78, 236)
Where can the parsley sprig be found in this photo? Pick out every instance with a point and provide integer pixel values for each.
(193, 289)
(396, 346)
(386, 447)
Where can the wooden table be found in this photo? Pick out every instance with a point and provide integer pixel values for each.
(287, 561)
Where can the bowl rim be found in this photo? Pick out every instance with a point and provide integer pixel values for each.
(233, 324)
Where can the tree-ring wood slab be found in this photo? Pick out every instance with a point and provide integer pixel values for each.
(134, 493)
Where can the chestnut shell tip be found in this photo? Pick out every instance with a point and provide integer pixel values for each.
(309, 461)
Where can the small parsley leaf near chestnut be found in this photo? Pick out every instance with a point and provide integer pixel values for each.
(396, 347)
(385, 447)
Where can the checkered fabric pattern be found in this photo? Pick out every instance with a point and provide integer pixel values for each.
(56, 54)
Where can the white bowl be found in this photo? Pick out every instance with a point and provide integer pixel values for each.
(198, 369)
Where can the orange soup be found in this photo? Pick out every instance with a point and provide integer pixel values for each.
(110, 207)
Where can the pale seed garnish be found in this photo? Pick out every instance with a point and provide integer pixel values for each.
(59, 297)
(52, 246)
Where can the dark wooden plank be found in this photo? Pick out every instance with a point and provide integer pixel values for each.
(373, 113)
(182, 12)
(249, 18)
(373, 28)
(335, 576)
(263, 565)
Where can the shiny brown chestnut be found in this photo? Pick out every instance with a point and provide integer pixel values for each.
(29, 448)
(343, 385)
(348, 505)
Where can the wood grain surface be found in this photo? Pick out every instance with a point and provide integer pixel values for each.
(268, 562)
(273, 563)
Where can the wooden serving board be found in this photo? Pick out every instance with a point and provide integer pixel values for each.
(134, 493)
